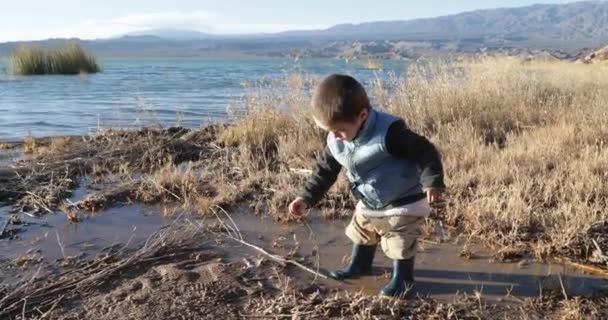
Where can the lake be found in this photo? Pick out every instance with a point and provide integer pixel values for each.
(128, 91)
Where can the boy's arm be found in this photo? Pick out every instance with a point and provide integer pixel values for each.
(406, 144)
(323, 177)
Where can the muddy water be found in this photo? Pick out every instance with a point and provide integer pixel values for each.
(51, 236)
(440, 271)
(114, 226)
(8, 156)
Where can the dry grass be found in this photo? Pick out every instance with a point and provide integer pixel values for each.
(7, 146)
(54, 165)
(53, 145)
(300, 304)
(523, 145)
(71, 59)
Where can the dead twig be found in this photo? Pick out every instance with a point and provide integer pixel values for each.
(60, 244)
(600, 253)
(44, 315)
(561, 283)
(234, 233)
(590, 269)
(304, 172)
(4, 228)
(39, 201)
(165, 189)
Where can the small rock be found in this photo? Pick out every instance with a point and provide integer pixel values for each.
(523, 263)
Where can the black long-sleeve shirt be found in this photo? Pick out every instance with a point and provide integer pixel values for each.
(401, 143)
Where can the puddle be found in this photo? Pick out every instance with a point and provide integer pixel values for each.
(92, 233)
(10, 156)
(440, 271)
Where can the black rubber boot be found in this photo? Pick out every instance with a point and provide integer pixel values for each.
(402, 280)
(360, 263)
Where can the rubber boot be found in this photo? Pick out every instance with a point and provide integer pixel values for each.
(360, 263)
(402, 280)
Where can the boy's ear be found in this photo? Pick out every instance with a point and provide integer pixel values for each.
(363, 114)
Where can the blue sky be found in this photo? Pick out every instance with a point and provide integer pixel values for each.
(29, 20)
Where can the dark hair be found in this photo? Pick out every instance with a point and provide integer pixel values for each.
(339, 98)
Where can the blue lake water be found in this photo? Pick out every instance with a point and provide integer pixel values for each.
(131, 92)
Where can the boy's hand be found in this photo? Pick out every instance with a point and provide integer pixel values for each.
(434, 196)
(297, 207)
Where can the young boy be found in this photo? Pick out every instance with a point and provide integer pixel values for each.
(394, 173)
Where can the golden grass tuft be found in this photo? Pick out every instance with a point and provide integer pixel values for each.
(71, 59)
(52, 145)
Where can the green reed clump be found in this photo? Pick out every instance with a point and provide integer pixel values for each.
(70, 59)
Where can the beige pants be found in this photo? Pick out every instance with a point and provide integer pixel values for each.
(397, 234)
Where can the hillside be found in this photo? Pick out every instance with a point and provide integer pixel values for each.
(578, 21)
(558, 30)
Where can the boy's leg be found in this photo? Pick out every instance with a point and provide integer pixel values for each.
(365, 239)
(399, 242)
(362, 230)
(400, 236)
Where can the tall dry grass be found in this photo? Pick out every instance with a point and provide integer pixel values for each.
(71, 59)
(523, 144)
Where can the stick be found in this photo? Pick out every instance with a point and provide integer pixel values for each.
(165, 189)
(60, 244)
(599, 250)
(315, 247)
(590, 269)
(38, 201)
(23, 310)
(304, 172)
(563, 288)
(429, 241)
(44, 315)
(280, 259)
(235, 234)
(277, 316)
(4, 228)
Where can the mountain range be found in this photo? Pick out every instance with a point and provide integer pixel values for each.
(566, 29)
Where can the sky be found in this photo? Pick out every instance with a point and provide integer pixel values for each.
(34, 20)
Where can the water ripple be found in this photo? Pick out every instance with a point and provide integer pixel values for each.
(198, 90)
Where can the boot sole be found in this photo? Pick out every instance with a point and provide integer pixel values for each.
(340, 278)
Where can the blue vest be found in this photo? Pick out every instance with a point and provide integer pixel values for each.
(377, 178)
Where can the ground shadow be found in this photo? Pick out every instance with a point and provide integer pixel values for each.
(437, 282)
(443, 283)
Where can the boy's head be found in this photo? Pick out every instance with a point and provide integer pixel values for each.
(340, 105)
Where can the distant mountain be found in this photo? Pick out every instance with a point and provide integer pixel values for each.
(172, 34)
(567, 22)
(561, 30)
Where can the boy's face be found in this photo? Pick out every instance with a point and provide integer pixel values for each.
(344, 130)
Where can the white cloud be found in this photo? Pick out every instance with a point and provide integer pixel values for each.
(232, 28)
(171, 19)
(199, 20)
(82, 30)
(196, 20)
